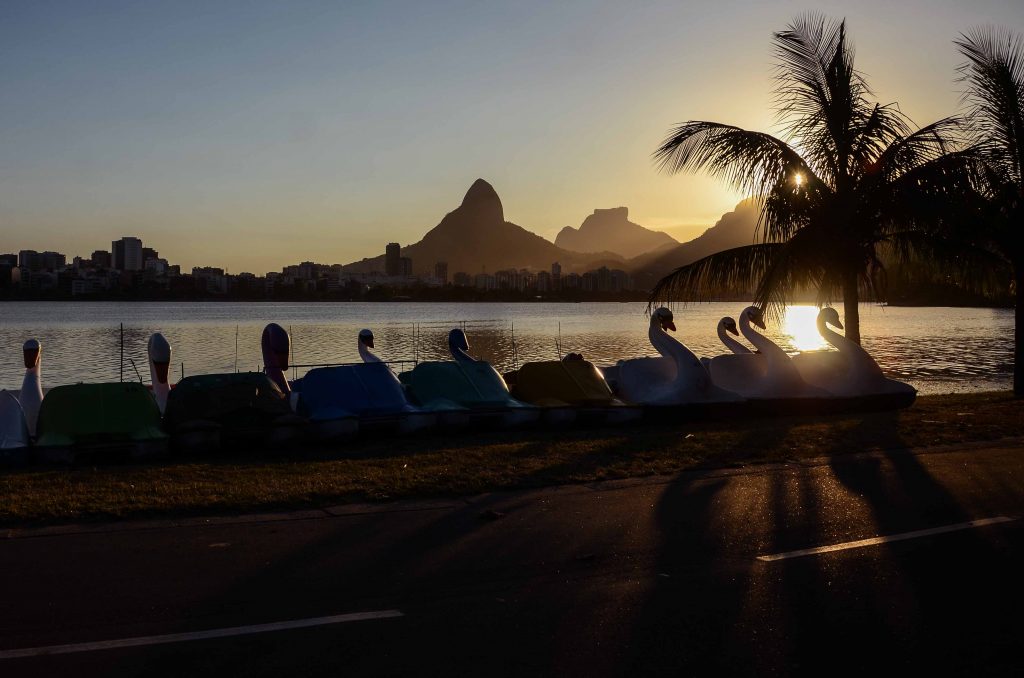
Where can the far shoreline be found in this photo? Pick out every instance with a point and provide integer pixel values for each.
(497, 300)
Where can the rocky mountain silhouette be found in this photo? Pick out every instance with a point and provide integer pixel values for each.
(734, 229)
(475, 237)
(610, 230)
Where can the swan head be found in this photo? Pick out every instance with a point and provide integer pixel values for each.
(663, 319)
(33, 353)
(366, 338)
(457, 340)
(159, 350)
(276, 345)
(729, 325)
(755, 316)
(830, 316)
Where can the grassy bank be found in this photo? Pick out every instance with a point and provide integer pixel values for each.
(472, 463)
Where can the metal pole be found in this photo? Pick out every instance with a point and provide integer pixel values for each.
(122, 353)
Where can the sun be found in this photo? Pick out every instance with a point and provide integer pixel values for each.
(798, 179)
(801, 325)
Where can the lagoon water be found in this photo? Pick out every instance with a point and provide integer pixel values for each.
(938, 350)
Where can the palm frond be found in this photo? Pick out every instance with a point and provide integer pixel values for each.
(807, 260)
(752, 162)
(736, 270)
(911, 151)
(821, 98)
(994, 78)
(875, 133)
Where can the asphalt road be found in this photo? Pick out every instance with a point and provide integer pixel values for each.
(628, 578)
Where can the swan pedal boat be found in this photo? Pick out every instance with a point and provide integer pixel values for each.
(115, 419)
(14, 436)
(574, 384)
(468, 384)
(476, 388)
(209, 411)
(368, 393)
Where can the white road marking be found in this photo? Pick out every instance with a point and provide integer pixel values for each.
(873, 541)
(197, 635)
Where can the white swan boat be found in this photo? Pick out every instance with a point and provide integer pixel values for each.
(675, 378)
(849, 371)
(767, 374)
(727, 326)
(158, 349)
(31, 394)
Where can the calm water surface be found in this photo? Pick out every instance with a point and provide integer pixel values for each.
(938, 350)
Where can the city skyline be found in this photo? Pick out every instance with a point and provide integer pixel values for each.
(284, 134)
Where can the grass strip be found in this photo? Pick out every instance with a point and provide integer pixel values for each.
(464, 464)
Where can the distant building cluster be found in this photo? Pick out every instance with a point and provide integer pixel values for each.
(398, 272)
(130, 269)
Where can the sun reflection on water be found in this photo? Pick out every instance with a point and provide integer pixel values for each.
(801, 327)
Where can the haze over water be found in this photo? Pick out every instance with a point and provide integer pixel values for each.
(938, 350)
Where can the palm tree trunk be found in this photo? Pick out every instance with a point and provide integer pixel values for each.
(1018, 331)
(851, 310)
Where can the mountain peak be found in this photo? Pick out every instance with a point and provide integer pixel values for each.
(610, 230)
(482, 199)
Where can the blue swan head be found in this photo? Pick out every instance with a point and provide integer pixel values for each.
(458, 344)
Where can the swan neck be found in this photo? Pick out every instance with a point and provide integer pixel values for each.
(831, 336)
(366, 355)
(673, 349)
(730, 343)
(768, 348)
(666, 346)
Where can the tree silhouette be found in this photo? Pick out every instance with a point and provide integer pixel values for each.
(994, 78)
(851, 179)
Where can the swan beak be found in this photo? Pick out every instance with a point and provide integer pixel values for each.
(760, 323)
(839, 324)
(368, 341)
(668, 325)
(161, 371)
(31, 358)
(732, 330)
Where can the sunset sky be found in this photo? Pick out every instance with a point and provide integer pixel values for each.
(255, 134)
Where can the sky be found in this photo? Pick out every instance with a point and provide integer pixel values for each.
(253, 134)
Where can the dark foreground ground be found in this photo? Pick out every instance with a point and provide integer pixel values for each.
(642, 577)
(379, 467)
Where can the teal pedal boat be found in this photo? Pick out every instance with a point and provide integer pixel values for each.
(467, 383)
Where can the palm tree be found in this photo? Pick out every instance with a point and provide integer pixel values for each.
(850, 179)
(994, 75)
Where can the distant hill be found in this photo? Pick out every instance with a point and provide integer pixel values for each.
(734, 229)
(610, 230)
(475, 237)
